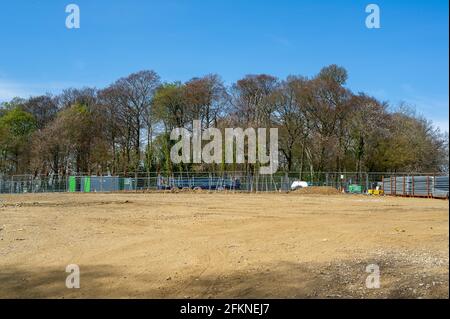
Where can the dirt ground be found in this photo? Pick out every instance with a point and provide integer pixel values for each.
(223, 245)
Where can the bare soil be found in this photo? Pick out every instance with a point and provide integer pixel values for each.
(223, 245)
(317, 190)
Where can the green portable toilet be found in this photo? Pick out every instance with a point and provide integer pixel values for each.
(87, 184)
(72, 184)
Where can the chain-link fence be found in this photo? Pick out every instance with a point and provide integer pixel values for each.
(353, 182)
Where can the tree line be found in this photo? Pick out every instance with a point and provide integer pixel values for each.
(125, 127)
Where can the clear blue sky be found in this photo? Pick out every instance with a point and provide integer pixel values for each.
(405, 60)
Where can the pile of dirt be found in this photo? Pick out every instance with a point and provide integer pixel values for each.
(188, 190)
(317, 190)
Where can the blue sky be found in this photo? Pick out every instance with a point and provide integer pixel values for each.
(405, 60)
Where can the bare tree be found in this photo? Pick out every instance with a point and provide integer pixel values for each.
(134, 95)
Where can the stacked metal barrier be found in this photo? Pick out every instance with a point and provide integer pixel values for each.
(441, 187)
(417, 186)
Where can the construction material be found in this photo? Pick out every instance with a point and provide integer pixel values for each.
(298, 184)
(375, 192)
(213, 183)
(417, 186)
(355, 189)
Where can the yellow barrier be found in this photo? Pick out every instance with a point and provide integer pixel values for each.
(375, 192)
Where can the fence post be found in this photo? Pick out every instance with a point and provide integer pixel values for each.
(395, 185)
(404, 186)
(391, 179)
(367, 182)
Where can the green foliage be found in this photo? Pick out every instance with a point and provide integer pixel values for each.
(18, 123)
(16, 127)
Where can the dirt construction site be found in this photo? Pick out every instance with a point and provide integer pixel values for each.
(223, 245)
